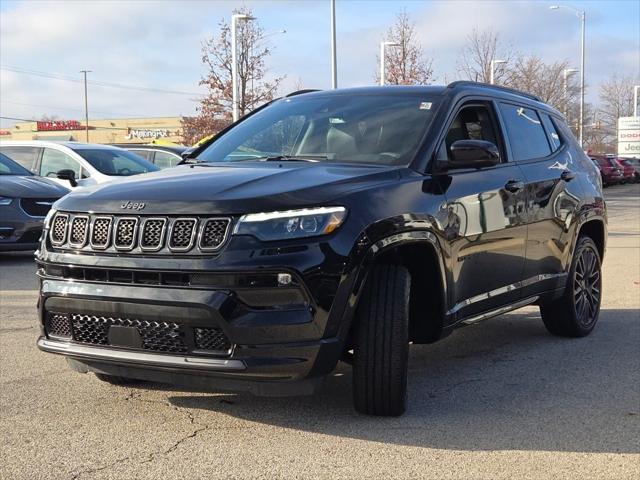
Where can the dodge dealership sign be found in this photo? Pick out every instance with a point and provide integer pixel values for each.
(629, 137)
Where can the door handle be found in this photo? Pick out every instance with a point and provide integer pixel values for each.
(514, 186)
(567, 175)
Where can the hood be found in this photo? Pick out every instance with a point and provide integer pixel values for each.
(18, 186)
(229, 188)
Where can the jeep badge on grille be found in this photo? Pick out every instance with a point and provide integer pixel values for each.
(133, 205)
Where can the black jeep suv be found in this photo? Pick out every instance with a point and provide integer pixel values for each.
(327, 226)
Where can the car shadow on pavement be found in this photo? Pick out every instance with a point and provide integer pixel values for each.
(504, 384)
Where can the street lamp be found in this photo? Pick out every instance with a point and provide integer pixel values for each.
(582, 16)
(635, 100)
(234, 61)
(493, 70)
(334, 60)
(567, 72)
(383, 45)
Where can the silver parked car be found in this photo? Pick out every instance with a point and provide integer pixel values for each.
(25, 200)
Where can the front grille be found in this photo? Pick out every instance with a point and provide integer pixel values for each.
(152, 234)
(78, 234)
(100, 232)
(59, 229)
(182, 233)
(58, 325)
(125, 236)
(138, 234)
(37, 207)
(212, 339)
(164, 337)
(214, 233)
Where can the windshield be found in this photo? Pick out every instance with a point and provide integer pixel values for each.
(9, 167)
(381, 129)
(116, 162)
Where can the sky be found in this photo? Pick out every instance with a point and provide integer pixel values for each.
(156, 45)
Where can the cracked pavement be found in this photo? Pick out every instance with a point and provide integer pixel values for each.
(498, 400)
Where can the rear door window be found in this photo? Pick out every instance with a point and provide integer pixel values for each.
(25, 156)
(146, 154)
(165, 159)
(526, 135)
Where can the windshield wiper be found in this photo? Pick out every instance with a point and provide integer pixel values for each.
(293, 158)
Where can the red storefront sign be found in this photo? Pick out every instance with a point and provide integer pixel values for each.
(58, 125)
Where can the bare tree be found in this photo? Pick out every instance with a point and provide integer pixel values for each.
(616, 100)
(475, 58)
(215, 109)
(406, 63)
(545, 80)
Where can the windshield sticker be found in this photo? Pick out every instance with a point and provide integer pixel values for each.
(425, 105)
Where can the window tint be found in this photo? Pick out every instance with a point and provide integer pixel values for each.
(554, 139)
(526, 135)
(165, 159)
(115, 161)
(53, 161)
(25, 156)
(471, 123)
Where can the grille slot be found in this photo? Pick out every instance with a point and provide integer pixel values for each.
(100, 233)
(125, 233)
(164, 337)
(58, 325)
(78, 231)
(152, 237)
(182, 233)
(214, 233)
(37, 207)
(212, 339)
(58, 233)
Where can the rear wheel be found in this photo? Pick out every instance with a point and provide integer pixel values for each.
(381, 349)
(576, 313)
(115, 380)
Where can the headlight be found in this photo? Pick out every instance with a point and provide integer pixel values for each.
(5, 201)
(309, 222)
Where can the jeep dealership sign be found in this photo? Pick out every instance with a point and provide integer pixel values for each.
(629, 137)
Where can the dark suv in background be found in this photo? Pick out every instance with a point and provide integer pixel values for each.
(327, 226)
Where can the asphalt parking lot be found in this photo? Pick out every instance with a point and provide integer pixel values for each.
(502, 399)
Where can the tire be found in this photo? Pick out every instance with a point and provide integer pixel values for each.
(115, 380)
(576, 313)
(381, 346)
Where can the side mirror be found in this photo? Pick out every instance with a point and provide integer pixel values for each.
(69, 175)
(474, 154)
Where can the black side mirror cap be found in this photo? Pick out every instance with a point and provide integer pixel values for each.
(473, 154)
(69, 175)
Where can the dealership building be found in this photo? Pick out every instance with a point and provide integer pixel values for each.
(116, 130)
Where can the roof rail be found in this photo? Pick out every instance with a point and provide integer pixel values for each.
(300, 92)
(469, 83)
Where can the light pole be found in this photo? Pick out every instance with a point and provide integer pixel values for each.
(86, 105)
(492, 74)
(234, 61)
(334, 64)
(566, 73)
(582, 16)
(635, 100)
(383, 46)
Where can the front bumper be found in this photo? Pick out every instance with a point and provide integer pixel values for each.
(18, 231)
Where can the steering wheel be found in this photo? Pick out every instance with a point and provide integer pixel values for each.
(124, 171)
(52, 174)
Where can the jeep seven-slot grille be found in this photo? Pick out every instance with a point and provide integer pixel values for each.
(154, 336)
(138, 234)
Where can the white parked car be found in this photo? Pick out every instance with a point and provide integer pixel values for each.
(75, 164)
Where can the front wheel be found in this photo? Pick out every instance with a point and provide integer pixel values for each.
(381, 349)
(575, 314)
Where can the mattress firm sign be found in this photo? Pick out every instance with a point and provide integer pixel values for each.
(629, 137)
(146, 133)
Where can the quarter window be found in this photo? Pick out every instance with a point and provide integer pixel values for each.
(527, 137)
(554, 139)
